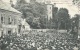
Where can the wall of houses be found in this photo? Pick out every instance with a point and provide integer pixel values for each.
(9, 21)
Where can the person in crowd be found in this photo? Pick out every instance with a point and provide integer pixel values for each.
(75, 47)
(37, 41)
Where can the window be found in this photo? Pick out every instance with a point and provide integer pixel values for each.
(9, 20)
(50, 8)
(2, 33)
(1, 19)
(19, 28)
(14, 21)
(9, 32)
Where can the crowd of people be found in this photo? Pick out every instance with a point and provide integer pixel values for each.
(37, 41)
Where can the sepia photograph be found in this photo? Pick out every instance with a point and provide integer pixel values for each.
(39, 24)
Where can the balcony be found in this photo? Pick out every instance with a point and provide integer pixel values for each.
(9, 26)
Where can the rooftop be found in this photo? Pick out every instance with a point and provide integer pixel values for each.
(6, 6)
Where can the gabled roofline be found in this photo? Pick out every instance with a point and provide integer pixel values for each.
(7, 6)
(11, 11)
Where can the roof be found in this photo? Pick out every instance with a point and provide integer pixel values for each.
(6, 6)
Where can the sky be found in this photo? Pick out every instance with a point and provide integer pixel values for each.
(60, 4)
(8, 1)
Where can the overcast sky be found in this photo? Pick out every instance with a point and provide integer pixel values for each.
(57, 1)
(60, 4)
(8, 1)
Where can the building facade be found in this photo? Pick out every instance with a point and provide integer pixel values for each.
(9, 19)
(49, 11)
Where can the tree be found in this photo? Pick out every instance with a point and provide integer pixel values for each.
(75, 20)
(31, 11)
(63, 18)
(55, 9)
(75, 26)
(54, 22)
(43, 22)
(77, 3)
